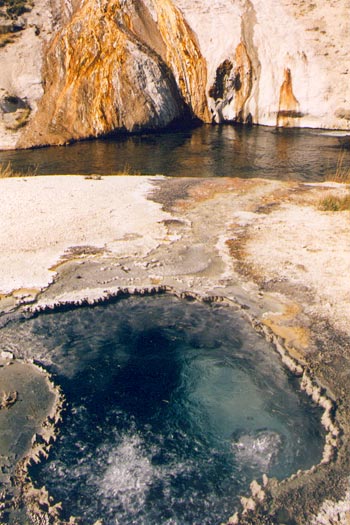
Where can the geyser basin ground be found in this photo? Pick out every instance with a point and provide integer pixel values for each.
(173, 408)
(265, 245)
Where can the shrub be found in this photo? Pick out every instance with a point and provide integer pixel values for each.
(6, 172)
(335, 203)
(342, 173)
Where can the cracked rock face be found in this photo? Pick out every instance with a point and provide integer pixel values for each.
(98, 67)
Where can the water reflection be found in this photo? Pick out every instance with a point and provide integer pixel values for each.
(206, 151)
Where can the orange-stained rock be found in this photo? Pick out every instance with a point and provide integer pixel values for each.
(243, 80)
(183, 57)
(113, 68)
(288, 110)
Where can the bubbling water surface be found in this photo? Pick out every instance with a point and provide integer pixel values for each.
(173, 407)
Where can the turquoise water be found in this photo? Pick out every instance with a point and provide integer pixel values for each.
(173, 407)
(207, 151)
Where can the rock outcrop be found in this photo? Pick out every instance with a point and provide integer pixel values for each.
(113, 67)
(86, 69)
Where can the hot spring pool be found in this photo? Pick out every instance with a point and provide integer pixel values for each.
(173, 407)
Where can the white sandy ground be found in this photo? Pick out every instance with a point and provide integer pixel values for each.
(306, 247)
(42, 217)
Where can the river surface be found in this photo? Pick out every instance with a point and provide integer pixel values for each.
(173, 407)
(206, 151)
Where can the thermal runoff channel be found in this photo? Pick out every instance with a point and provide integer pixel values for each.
(173, 407)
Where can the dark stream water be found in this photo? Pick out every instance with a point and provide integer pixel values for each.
(173, 407)
(207, 151)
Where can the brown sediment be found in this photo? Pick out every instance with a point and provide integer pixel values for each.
(209, 189)
(285, 325)
(9, 302)
(76, 253)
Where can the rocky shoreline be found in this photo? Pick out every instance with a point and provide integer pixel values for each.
(203, 239)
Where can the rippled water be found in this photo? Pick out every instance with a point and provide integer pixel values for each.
(207, 151)
(173, 408)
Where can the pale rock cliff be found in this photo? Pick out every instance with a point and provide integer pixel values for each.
(310, 39)
(84, 69)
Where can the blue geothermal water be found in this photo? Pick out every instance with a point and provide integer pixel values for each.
(173, 407)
